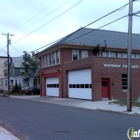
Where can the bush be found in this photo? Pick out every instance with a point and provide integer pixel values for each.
(16, 89)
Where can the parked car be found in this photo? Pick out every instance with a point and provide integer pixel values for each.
(32, 91)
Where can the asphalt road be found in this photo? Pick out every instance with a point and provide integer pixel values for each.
(32, 120)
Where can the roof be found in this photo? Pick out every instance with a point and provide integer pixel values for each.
(92, 37)
(17, 61)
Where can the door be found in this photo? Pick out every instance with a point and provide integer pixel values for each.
(106, 88)
(52, 86)
(79, 84)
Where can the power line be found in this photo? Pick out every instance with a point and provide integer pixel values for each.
(16, 49)
(39, 12)
(48, 14)
(78, 36)
(2, 50)
(50, 21)
(26, 17)
(45, 16)
(86, 25)
(29, 14)
(98, 28)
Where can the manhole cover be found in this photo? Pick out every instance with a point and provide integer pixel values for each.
(60, 132)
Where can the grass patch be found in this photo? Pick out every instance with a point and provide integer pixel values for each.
(122, 102)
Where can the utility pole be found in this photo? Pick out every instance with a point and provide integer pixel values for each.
(129, 52)
(8, 59)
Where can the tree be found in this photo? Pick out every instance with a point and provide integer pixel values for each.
(30, 64)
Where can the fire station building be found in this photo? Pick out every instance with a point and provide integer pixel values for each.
(89, 64)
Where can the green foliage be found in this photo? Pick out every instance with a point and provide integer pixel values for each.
(122, 102)
(29, 64)
(16, 89)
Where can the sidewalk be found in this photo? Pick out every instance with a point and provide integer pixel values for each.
(5, 135)
(98, 105)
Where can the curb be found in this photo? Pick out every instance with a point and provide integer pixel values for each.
(8, 134)
(118, 112)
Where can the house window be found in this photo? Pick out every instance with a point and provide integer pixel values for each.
(58, 57)
(112, 54)
(124, 55)
(50, 59)
(120, 55)
(105, 54)
(133, 55)
(138, 55)
(124, 81)
(46, 60)
(12, 83)
(6, 83)
(84, 53)
(42, 61)
(54, 57)
(75, 54)
(19, 82)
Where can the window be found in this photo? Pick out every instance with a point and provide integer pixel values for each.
(6, 82)
(120, 55)
(84, 53)
(75, 54)
(112, 54)
(54, 57)
(124, 55)
(52, 85)
(50, 59)
(58, 57)
(79, 85)
(19, 82)
(133, 56)
(42, 61)
(12, 82)
(46, 59)
(104, 54)
(124, 81)
(138, 55)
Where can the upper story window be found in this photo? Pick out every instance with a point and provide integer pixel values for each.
(105, 54)
(112, 54)
(43, 61)
(133, 56)
(124, 55)
(84, 54)
(75, 54)
(58, 57)
(138, 55)
(120, 55)
(50, 59)
(46, 57)
(54, 58)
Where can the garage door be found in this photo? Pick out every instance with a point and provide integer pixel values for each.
(52, 86)
(79, 84)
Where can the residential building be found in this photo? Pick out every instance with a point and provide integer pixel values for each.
(16, 77)
(90, 64)
(3, 70)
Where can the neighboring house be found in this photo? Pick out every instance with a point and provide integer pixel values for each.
(3, 70)
(17, 78)
(89, 64)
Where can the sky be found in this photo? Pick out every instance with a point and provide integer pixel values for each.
(36, 23)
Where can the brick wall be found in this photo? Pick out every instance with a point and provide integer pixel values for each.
(96, 64)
